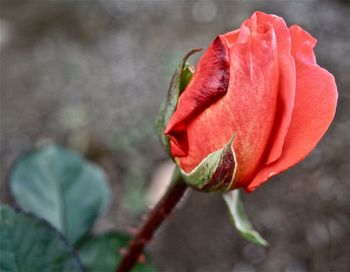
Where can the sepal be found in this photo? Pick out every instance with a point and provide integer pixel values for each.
(216, 172)
(179, 81)
(240, 218)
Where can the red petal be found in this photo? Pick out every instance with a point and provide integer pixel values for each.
(303, 45)
(314, 109)
(209, 82)
(248, 108)
(286, 86)
(231, 37)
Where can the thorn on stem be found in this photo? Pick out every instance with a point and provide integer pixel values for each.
(141, 259)
(164, 213)
(132, 230)
(123, 251)
(144, 217)
(145, 240)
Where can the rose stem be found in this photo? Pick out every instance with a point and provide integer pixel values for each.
(154, 220)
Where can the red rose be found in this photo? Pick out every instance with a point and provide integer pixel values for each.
(260, 83)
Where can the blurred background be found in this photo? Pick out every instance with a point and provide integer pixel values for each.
(91, 75)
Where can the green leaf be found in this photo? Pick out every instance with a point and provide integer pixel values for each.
(179, 81)
(103, 253)
(60, 186)
(28, 243)
(240, 219)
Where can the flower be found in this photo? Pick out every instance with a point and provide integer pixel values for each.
(260, 83)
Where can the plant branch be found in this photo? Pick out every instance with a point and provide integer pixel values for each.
(154, 220)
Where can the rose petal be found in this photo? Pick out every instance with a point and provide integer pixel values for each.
(286, 87)
(209, 82)
(231, 37)
(314, 109)
(248, 108)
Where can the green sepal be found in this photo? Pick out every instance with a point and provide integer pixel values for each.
(179, 81)
(240, 218)
(187, 73)
(216, 172)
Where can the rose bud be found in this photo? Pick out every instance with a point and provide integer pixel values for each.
(256, 105)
